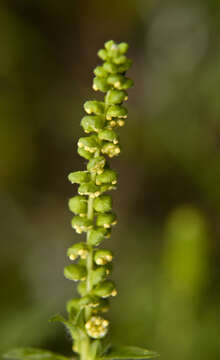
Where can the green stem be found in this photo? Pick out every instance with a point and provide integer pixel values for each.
(85, 353)
(85, 349)
(88, 281)
(89, 264)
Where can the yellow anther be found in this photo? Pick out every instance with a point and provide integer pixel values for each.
(72, 257)
(99, 172)
(121, 122)
(114, 293)
(100, 261)
(82, 215)
(97, 193)
(105, 323)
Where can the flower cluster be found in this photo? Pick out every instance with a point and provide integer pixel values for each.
(92, 207)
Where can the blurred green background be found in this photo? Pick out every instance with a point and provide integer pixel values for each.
(168, 197)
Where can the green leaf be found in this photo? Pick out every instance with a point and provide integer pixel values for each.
(128, 352)
(79, 320)
(69, 325)
(58, 318)
(33, 354)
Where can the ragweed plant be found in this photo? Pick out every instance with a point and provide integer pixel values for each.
(91, 265)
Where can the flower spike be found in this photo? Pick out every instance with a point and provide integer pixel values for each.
(92, 206)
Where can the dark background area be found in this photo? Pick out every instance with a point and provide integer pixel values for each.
(168, 198)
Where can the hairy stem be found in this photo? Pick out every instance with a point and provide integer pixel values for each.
(85, 349)
(85, 354)
(89, 263)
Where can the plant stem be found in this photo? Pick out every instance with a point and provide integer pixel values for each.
(85, 354)
(89, 264)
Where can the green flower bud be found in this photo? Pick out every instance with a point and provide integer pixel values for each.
(81, 224)
(100, 84)
(75, 272)
(119, 60)
(103, 54)
(114, 97)
(123, 47)
(82, 261)
(115, 79)
(96, 165)
(89, 143)
(105, 289)
(103, 203)
(109, 44)
(107, 176)
(108, 268)
(102, 256)
(106, 220)
(103, 306)
(111, 149)
(100, 72)
(128, 83)
(81, 288)
(78, 205)
(106, 187)
(90, 301)
(96, 236)
(92, 123)
(85, 154)
(78, 177)
(98, 275)
(115, 111)
(78, 250)
(108, 135)
(125, 66)
(114, 52)
(120, 81)
(97, 327)
(90, 189)
(110, 67)
(94, 107)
